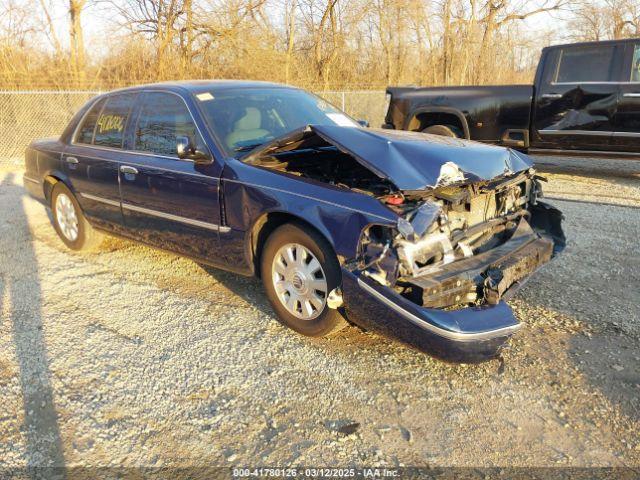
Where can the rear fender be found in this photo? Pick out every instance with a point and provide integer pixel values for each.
(50, 177)
(413, 116)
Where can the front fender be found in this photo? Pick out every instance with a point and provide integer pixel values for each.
(340, 215)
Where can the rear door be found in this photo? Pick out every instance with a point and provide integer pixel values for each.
(166, 201)
(91, 159)
(627, 117)
(577, 97)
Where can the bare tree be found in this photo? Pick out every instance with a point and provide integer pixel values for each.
(317, 43)
(499, 13)
(290, 9)
(76, 39)
(322, 21)
(605, 19)
(51, 28)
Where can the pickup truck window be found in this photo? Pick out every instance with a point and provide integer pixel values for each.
(164, 117)
(112, 121)
(84, 134)
(585, 64)
(635, 64)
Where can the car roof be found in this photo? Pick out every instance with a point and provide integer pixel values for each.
(198, 86)
(594, 43)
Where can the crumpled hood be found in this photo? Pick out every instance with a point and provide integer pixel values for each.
(410, 160)
(415, 161)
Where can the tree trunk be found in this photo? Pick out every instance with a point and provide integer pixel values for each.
(321, 60)
(446, 41)
(77, 58)
(469, 44)
(291, 42)
(187, 50)
(487, 37)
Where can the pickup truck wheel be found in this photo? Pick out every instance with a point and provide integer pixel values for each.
(71, 225)
(444, 130)
(299, 269)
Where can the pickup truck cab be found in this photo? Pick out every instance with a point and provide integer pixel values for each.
(586, 97)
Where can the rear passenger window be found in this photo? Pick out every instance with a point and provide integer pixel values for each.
(86, 129)
(585, 64)
(164, 117)
(112, 121)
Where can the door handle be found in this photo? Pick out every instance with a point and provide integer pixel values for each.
(72, 160)
(128, 169)
(632, 95)
(552, 95)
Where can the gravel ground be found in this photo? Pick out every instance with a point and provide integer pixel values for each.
(616, 167)
(133, 357)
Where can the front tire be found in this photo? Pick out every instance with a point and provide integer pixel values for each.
(299, 269)
(70, 223)
(442, 130)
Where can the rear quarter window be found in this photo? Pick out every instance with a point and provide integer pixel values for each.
(84, 134)
(585, 64)
(112, 121)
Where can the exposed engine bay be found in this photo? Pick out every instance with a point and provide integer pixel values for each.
(459, 244)
(465, 244)
(329, 165)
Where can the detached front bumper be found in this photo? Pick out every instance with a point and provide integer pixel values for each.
(468, 335)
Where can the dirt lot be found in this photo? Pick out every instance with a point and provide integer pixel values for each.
(134, 357)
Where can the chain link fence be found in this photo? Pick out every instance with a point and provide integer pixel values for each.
(28, 115)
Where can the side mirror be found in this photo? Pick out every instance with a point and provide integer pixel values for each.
(363, 123)
(186, 150)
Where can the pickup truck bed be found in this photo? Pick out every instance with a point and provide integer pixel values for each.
(481, 113)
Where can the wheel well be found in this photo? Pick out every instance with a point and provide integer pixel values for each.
(426, 119)
(47, 185)
(263, 228)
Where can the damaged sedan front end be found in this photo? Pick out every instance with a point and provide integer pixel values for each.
(469, 230)
(463, 245)
(445, 285)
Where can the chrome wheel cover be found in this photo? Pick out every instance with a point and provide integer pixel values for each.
(299, 281)
(67, 217)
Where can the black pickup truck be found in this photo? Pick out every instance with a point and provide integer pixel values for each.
(586, 98)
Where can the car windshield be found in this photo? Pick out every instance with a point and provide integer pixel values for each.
(243, 119)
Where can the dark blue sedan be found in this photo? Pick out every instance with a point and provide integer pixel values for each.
(417, 236)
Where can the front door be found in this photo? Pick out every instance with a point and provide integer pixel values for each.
(91, 159)
(577, 97)
(627, 117)
(169, 202)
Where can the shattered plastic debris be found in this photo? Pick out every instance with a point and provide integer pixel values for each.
(449, 173)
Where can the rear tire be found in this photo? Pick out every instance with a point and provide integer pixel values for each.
(70, 223)
(442, 130)
(299, 269)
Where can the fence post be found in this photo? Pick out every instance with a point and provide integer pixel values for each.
(343, 101)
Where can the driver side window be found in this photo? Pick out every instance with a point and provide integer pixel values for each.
(164, 117)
